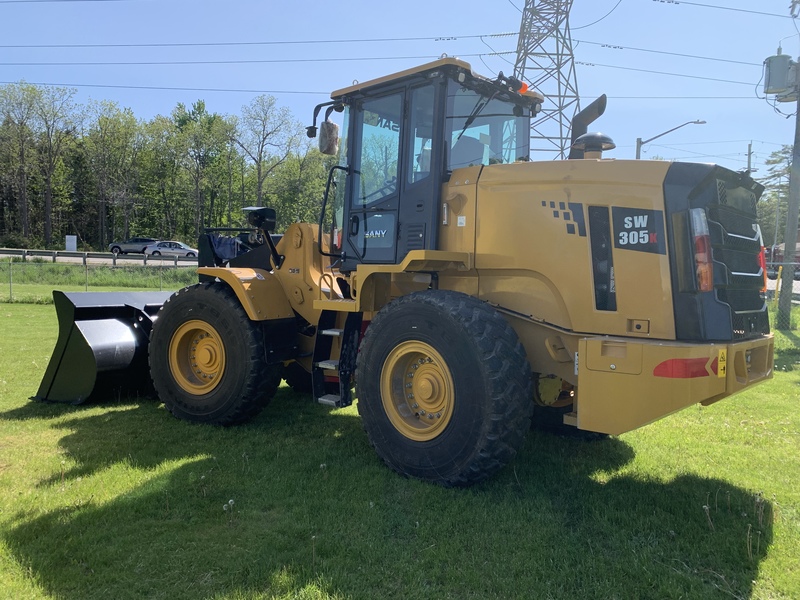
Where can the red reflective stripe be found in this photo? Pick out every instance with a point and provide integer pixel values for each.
(684, 368)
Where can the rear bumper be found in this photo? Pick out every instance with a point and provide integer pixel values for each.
(626, 384)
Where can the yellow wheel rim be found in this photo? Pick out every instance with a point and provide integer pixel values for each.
(196, 357)
(417, 391)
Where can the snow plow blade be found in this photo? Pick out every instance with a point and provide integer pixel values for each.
(102, 345)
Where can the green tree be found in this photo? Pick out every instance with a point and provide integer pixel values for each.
(111, 143)
(298, 185)
(57, 119)
(82, 215)
(18, 109)
(204, 136)
(268, 136)
(772, 208)
(164, 183)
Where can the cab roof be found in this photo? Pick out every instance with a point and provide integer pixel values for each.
(448, 62)
(431, 66)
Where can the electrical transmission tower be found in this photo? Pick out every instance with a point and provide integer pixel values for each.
(545, 61)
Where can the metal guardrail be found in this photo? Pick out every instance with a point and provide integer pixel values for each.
(85, 256)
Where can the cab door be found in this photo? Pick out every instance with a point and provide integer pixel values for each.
(371, 227)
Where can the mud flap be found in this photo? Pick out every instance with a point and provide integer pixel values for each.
(102, 345)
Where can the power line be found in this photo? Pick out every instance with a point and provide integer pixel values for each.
(439, 38)
(742, 10)
(252, 91)
(220, 62)
(348, 41)
(598, 20)
(167, 89)
(664, 52)
(588, 64)
(58, 1)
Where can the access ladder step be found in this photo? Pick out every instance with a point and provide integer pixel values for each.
(334, 400)
(332, 365)
(332, 332)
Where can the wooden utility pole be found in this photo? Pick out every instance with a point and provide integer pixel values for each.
(790, 237)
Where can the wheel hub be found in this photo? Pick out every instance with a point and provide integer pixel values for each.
(417, 390)
(196, 357)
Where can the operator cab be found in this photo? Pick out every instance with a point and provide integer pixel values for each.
(402, 138)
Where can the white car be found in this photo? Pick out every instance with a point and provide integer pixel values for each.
(170, 249)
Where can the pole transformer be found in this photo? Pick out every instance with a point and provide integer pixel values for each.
(545, 61)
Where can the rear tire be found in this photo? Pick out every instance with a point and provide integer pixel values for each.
(444, 388)
(207, 359)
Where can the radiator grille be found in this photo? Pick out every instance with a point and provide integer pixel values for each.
(736, 247)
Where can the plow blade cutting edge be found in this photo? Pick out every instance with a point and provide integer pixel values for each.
(102, 345)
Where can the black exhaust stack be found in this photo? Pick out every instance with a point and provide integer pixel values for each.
(581, 122)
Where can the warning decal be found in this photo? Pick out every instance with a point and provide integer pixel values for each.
(722, 364)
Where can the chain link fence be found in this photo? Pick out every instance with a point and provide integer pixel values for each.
(784, 296)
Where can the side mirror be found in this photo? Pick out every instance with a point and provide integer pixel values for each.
(262, 218)
(329, 138)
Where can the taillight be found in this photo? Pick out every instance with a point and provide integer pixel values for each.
(762, 262)
(704, 267)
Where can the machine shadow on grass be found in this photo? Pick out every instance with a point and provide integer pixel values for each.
(314, 510)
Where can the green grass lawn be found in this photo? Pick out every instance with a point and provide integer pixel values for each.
(121, 500)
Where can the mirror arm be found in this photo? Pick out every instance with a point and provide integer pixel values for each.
(311, 130)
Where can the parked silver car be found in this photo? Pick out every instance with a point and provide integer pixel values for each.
(170, 248)
(134, 244)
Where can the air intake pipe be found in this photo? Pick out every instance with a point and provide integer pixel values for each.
(581, 122)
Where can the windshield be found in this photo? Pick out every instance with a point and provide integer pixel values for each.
(483, 130)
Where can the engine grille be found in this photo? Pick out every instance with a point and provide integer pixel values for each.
(735, 308)
(736, 249)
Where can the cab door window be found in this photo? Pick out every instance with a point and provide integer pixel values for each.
(380, 149)
(375, 191)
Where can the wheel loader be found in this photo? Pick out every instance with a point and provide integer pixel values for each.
(459, 290)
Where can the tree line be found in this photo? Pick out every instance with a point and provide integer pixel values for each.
(98, 172)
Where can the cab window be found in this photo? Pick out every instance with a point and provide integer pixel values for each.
(421, 127)
(380, 149)
(483, 130)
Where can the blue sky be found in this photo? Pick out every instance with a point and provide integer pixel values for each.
(661, 62)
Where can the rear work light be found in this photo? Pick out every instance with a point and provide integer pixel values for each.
(704, 266)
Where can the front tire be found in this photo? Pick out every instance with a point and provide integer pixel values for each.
(116, 250)
(444, 388)
(207, 359)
